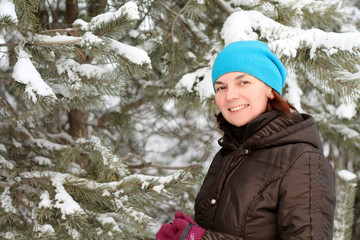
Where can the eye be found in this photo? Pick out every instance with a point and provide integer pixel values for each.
(244, 82)
(220, 88)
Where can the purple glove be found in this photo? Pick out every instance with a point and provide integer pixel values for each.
(186, 217)
(182, 228)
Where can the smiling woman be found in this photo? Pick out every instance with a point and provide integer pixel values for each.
(270, 180)
(241, 97)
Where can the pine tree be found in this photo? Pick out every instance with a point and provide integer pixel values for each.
(151, 117)
(344, 214)
(61, 176)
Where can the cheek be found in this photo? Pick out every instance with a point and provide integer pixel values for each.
(263, 102)
(259, 100)
(218, 101)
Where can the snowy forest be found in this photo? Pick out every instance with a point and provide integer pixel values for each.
(107, 113)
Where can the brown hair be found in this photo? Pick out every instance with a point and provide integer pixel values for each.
(277, 103)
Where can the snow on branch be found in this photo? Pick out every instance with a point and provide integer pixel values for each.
(25, 72)
(108, 158)
(6, 201)
(73, 69)
(284, 40)
(6, 163)
(7, 8)
(40, 142)
(158, 183)
(310, 5)
(62, 200)
(56, 40)
(191, 82)
(134, 54)
(129, 8)
(200, 34)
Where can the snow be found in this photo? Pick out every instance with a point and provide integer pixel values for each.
(6, 201)
(129, 8)
(43, 161)
(91, 39)
(72, 232)
(63, 200)
(105, 193)
(294, 92)
(134, 54)
(243, 3)
(5, 163)
(108, 158)
(284, 40)
(346, 110)
(345, 131)
(136, 215)
(59, 39)
(26, 73)
(199, 33)
(45, 200)
(76, 169)
(81, 24)
(43, 143)
(161, 181)
(203, 87)
(7, 7)
(69, 68)
(107, 219)
(4, 58)
(9, 235)
(16, 143)
(347, 175)
(43, 229)
(111, 101)
(2, 148)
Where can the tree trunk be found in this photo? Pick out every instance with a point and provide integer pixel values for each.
(72, 11)
(77, 118)
(78, 123)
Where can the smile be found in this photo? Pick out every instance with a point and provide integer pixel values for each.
(237, 108)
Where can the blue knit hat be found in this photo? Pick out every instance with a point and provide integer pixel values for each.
(254, 58)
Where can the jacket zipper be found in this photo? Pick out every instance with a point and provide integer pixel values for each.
(238, 153)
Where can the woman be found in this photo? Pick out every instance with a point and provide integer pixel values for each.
(270, 179)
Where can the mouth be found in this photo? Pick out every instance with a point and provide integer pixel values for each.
(237, 108)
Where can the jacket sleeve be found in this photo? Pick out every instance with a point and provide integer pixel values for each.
(307, 199)
(210, 235)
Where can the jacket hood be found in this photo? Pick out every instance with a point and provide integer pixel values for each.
(271, 129)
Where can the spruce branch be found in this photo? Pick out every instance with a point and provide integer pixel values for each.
(146, 164)
(26, 11)
(4, 184)
(44, 43)
(176, 18)
(225, 6)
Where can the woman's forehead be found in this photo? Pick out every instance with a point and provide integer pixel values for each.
(231, 76)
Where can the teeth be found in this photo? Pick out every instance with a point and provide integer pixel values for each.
(238, 108)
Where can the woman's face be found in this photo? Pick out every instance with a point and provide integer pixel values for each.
(241, 97)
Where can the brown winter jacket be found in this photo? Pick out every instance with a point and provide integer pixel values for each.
(269, 181)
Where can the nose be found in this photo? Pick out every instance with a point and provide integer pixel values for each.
(232, 93)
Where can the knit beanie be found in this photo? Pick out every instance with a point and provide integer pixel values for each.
(254, 58)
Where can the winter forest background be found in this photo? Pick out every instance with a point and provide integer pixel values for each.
(106, 108)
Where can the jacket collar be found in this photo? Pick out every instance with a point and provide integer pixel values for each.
(271, 128)
(236, 136)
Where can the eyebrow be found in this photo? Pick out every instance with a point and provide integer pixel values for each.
(240, 76)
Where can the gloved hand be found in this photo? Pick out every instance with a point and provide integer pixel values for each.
(186, 217)
(182, 228)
